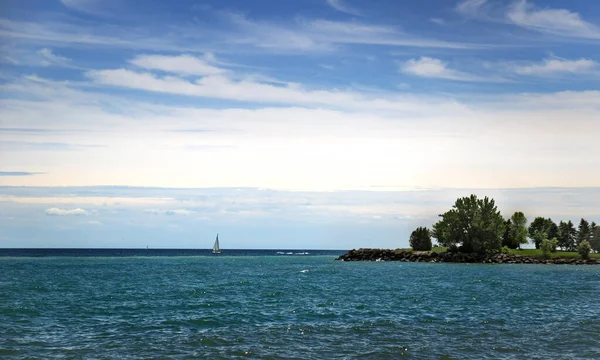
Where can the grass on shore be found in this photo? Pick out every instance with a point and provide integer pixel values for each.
(555, 255)
(436, 249)
(525, 252)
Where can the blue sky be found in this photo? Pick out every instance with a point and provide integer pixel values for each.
(345, 102)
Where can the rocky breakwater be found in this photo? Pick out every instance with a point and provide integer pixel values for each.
(426, 256)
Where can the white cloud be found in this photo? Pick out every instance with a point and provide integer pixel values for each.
(325, 35)
(340, 5)
(92, 223)
(169, 211)
(81, 5)
(296, 36)
(558, 66)
(323, 139)
(105, 201)
(50, 58)
(434, 68)
(559, 22)
(470, 7)
(24, 56)
(62, 212)
(182, 64)
(233, 205)
(222, 87)
(94, 7)
(99, 35)
(352, 32)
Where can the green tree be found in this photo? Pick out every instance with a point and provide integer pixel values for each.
(567, 235)
(539, 237)
(551, 229)
(420, 239)
(476, 224)
(583, 231)
(595, 238)
(563, 238)
(507, 240)
(518, 229)
(548, 246)
(584, 249)
(545, 225)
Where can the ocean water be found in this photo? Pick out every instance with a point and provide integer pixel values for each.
(267, 305)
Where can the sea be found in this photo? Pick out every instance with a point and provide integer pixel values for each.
(289, 304)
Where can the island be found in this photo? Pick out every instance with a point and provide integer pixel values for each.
(474, 231)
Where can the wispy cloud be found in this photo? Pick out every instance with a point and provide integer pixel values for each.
(435, 68)
(550, 67)
(63, 212)
(525, 14)
(470, 7)
(50, 58)
(19, 173)
(559, 22)
(195, 147)
(293, 146)
(222, 87)
(44, 57)
(170, 212)
(182, 64)
(94, 7)
(325, 35)
(299, 35)
(32, 131)
(341, 5)
(84, 34)
(45, 146)
(92, 223)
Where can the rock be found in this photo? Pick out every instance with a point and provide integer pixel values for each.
(368, 254)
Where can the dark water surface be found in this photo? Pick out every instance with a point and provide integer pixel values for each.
(270, 305)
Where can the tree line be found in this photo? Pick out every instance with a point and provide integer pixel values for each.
(476, 226)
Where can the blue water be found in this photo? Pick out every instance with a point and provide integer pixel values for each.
(264, 305)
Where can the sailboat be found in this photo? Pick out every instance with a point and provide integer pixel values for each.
(216, 249)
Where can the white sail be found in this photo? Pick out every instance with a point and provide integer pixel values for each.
(216, 249)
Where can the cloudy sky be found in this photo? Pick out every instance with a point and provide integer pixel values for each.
(290, 124)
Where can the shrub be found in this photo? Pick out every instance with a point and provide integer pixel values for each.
(453, 249)
(554, 244)
(420, 240)
(505, 250)
(584, 249)
(548, 246)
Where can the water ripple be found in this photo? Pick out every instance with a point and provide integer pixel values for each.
(297, 307)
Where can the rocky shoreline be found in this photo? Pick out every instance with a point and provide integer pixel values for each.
(366, 254)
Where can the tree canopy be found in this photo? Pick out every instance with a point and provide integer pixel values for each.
(475, 224)
(542, 225)
(567, 235)
(595, 237)
(515, 232)
(583, 232)
(420, 239)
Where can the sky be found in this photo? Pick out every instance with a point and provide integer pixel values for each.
(325, 124)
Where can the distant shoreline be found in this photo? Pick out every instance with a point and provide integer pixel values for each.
(368, 254)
